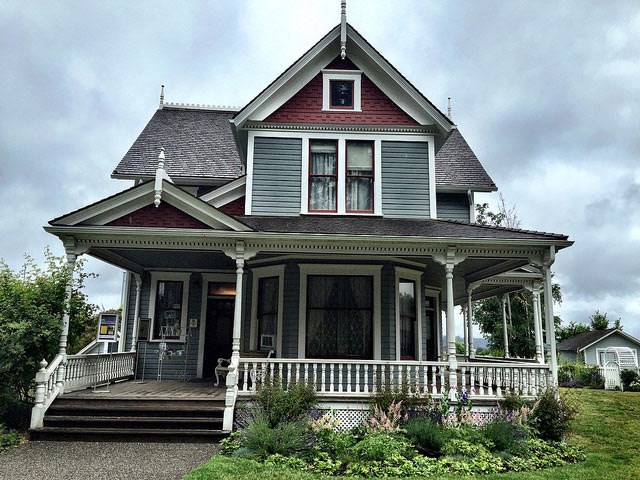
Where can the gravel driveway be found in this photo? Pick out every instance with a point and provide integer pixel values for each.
(102, 460)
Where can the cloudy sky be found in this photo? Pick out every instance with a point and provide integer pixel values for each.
(547, 93)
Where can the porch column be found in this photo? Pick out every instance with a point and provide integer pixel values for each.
(537, 325)
(237, 312)
(548, 307)
(136, 313)
(450, 260)
(505, 333)
(472, 351)
(72, 257)
(465, 329)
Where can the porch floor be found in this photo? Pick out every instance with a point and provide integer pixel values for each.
(152, 389)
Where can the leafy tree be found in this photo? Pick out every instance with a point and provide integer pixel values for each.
(599, 321)
(571, 330)
(32, 303)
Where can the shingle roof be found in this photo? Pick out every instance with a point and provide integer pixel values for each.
(581, 340)
(352, 225)
(198, 143)
(458, 166)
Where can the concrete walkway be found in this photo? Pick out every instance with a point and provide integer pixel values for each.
(103, 460)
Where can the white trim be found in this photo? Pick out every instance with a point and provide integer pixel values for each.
(249, 186)
(354, 76)
(265, 272)
(342, 138)
(413, 276)
(206, 278)
(607, 349)
(433, 205)
(624, 335)
(347, 270)
(227, 193)
(184, 277)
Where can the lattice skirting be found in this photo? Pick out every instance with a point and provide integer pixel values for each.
(352, 414)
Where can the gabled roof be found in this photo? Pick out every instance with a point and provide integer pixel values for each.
(379, 226)
(133, 199)
(375, 66)
(586, 339)
(199, 144)
(457, 167)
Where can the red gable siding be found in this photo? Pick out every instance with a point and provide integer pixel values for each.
(306, 107)
(165, 215)
(235, 207)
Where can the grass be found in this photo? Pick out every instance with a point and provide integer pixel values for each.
(607, 427)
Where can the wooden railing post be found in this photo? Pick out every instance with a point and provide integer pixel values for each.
(37, 413)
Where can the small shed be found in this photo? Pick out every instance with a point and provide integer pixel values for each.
(599, 347)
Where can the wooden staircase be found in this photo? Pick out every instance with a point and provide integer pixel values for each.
(134, 419)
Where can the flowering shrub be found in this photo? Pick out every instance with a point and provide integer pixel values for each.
(388, 421)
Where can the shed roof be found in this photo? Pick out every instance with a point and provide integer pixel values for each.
(586, 339)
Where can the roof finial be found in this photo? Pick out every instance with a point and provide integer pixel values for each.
(343, 29)
(449, 107)
(161, 175)
(161, 96)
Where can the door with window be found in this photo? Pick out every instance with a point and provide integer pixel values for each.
(219, 325)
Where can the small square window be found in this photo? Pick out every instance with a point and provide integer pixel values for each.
(341, 94)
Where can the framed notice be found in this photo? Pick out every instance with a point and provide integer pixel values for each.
(108, 327)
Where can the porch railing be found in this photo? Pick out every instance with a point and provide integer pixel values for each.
(79, 371)
(336, 378)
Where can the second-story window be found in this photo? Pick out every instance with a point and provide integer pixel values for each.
(359, 187)
(323, 176)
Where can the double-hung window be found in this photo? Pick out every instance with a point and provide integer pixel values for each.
(168, 311)
(323, 176)
(341, 179)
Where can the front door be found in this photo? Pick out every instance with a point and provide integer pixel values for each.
(219, 326)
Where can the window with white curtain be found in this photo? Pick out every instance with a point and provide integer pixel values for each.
(359, 195)
(324, 163)
(323, 175)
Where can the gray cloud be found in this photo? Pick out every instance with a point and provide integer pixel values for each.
(546, 93)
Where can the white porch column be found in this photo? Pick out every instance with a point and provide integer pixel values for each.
(465, 329)
(450, 260)
(548, 307)
(505, 333)
(72, 257)
(537, 324)
(472, 351)
(136, 313)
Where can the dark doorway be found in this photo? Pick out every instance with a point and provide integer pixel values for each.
(218, 330)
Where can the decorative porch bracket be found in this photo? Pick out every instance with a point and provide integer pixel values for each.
(240, 254)
(450, 260)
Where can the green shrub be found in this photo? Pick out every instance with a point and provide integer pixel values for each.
(283, 406)
(551, 415)
(335, 443)
(8, 438)
(591, 377)
(512, 402)
(380, 446)
(502, 434)
(627, 377)
(260, 439)
(427, 435)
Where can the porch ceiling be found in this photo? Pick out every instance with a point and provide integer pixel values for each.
(138, 260)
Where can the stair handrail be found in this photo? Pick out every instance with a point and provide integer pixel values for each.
(47, 388)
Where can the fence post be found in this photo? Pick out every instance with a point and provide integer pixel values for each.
(37, 412)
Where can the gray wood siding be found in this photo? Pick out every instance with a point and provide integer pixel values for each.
(405, 179)
(388, 313)
(453, 206)
(290, 311)
(277, 167)
(613, 340)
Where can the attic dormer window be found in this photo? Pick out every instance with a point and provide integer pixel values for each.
(341, 90)
(341, 93)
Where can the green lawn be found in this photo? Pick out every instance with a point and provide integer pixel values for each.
(607, 427)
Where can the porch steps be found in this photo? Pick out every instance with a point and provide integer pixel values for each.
(143, 419)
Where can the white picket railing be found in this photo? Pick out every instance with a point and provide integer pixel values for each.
(364, 377)
(485, 380)
(343, 377)
(87, 370)
(80, 371)
(611, 374)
